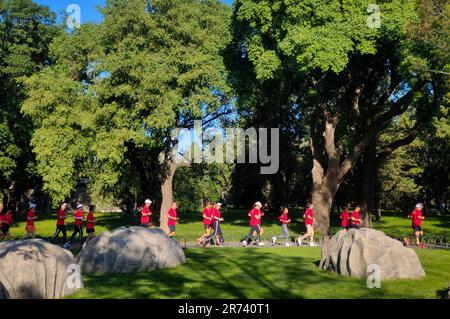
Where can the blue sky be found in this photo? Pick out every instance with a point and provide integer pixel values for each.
(88, 7)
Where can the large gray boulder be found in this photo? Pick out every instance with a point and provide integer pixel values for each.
(35, 269)
(350, 253)
(126, 250)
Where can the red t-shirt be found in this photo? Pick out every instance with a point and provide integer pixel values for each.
(90, 220)
(216, 213)
(309, 215)
(344, 216)
(415, 218)
(283, 218)
(78, 217)
(208, 212)
(31, 214)
(61, 217)
(6, 219)
(145, 219)
(255, 217)
(172, 213)
(355, 214)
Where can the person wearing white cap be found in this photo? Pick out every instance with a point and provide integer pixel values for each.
(417, 219)
(217, 231)
(78, 226)
(255, 220)
(146, 213)
(30, 228)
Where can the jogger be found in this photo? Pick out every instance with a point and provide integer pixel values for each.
(207, 222)
(172, 219)
(78, 226)
(355, 219)
(90, 222)
(309, 221)
(30, 228)
(217, 231)
(284, 222)
(61, 223)
(417, 219)
(6, 219)
(146, 214)
(255, 219)
(344, 218)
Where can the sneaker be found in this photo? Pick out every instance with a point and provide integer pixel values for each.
(312, 245)
(287, 244)
(274, 240)
(244, 242)
(261, 244)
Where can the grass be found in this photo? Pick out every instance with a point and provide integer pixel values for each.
(262, 273)
(255, 273)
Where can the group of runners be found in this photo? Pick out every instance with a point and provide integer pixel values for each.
(212, 219)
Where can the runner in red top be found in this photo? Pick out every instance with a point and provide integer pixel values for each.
(61, 222)
(30, 228)
(284, 219)
(207, 222)
(355, 218)
(78, 226)
(6, 224)
(255, 220)
(217, 231)
(172, 219)
(146, 213)
(344, 218)
(417, 219)
(309, 221)
(90, 222)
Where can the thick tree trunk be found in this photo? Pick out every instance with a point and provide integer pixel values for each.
(322, 199)
(167, 196)
(369, 171)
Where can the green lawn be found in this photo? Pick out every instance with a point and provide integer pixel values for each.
(262, 273)
(256, 272)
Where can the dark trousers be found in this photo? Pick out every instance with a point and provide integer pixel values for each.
(78, 230)
(60, 229)
(252, 230)
(217, 232)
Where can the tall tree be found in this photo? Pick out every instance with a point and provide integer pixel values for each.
(108, 106)
(26, 29)
(350, 74)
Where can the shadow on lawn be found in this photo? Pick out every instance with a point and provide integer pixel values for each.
(213, 274)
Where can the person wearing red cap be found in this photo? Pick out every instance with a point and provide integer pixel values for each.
(417, 218)
(172, 219)
(30, 228)
(61, 223)
(146, 214)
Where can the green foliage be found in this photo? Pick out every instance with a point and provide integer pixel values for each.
(106, 107)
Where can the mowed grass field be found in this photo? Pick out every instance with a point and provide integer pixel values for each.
(282, 272)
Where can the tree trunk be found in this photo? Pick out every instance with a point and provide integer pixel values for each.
(369, 170)
(167, 196)
(322, 199)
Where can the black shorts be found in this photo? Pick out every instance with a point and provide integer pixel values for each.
(172, 228)
(90, 230)
(207, 226)
(416, 228)
(146, 225)
(355, 226)
(5, 228)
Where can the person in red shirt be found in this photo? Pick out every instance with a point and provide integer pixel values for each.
(355, 219)
(78, 226)
(61, 222)
(217, 231)
(284, 219)
(146, 214)
(172, 219)
(309, 221)
(255, 220)
(6, 224)
(207, 222)
(90, 222)
(344, 218)
(30, 228)
(417, 219)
